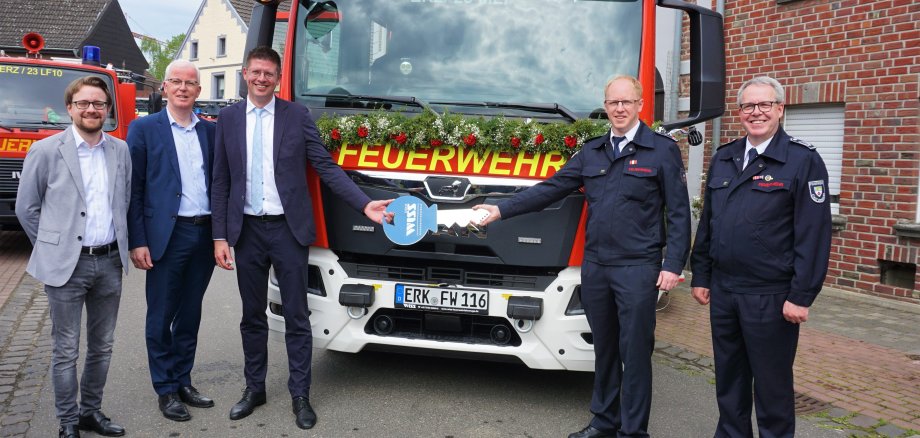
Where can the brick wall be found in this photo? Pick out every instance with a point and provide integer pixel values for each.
(864, 54)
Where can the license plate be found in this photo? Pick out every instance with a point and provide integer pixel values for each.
(441, 299)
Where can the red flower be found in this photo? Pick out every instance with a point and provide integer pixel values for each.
(571, 141)
(336, 135)
(435, 142)
(470, 140)
(515, 142)
(538, 139)
(362, 131)
(400, 138)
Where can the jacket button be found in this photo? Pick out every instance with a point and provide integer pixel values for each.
(80, 238)
(82, 213)
(724, 183)
(603, 170)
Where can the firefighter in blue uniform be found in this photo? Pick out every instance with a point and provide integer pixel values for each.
(759, 259)
(636, 189)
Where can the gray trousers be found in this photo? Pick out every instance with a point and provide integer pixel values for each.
(96, 283)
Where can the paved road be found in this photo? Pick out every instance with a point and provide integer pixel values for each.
(368, 394)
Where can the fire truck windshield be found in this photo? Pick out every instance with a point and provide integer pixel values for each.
(450, 52)
(32, 96)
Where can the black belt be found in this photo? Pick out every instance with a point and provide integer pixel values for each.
(100, 250)
(265, 217)
(195, 220)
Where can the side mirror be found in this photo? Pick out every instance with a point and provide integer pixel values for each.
(156, 102)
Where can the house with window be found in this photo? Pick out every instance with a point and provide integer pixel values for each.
(215, 42)
(68, 26)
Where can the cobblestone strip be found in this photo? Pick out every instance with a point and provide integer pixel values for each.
(872, 390)
(25, 352)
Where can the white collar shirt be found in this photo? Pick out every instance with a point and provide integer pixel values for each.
(271, 204)
(630, 135)
(100, 225)
(761, 148)
(194, 200)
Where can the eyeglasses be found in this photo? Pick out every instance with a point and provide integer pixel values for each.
(84, 104)
(748, 108)
(179, 82)
(616, 103)
(256, 73)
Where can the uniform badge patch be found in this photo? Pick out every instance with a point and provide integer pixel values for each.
(817, 191)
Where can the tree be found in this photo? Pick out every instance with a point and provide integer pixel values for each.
(159, 54)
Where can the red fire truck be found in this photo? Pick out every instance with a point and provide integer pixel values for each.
(32, 107)
(458, 103)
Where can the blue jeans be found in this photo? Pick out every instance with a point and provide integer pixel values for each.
(96, 282)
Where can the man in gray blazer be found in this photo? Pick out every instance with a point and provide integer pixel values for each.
(72, 202)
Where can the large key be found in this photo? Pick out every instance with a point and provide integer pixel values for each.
(412, 219)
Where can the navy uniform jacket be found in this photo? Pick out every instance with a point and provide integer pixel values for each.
(767, 229)
(627, 200)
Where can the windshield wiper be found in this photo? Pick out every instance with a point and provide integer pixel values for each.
(405, 100)
(42, 122)
(550, 108)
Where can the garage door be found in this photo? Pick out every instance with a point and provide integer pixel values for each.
(821, 126)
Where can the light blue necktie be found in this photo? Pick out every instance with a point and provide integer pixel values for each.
(255, 181)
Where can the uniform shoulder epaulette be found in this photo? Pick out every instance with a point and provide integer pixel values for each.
(801, 142)
(660, 131)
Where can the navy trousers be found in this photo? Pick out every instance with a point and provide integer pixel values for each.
(175, 288)
(754, 348)
(271, 244)
(619, 303)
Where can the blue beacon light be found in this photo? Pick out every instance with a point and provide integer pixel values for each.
(91, 55)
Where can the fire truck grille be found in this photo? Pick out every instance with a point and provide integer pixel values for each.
(504, 277)
(8, 168)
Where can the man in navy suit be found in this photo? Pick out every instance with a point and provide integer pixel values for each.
(169, 224)
(262, 208)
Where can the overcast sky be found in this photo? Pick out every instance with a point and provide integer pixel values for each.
(161, 19)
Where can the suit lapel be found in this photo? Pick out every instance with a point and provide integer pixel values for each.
(205, 156)
(111, 166)
(280, 119)
(68, 150)
(169, 143)
(241, 138)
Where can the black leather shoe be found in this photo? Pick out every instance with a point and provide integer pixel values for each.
(592, 432)
(70, 431)
(304, 416)
(190, 396)
(99, 423)
(247, 404)
(172, 408)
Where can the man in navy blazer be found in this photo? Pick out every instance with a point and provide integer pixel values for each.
(262, 208)
(169, 224)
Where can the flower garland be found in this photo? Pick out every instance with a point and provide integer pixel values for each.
(427, 129)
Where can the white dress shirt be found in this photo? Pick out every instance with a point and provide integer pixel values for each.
(761, 148)
(271, 203)
(100, 225)
(630, 135)
(194, 200)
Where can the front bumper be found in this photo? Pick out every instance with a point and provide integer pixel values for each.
(555, 341)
